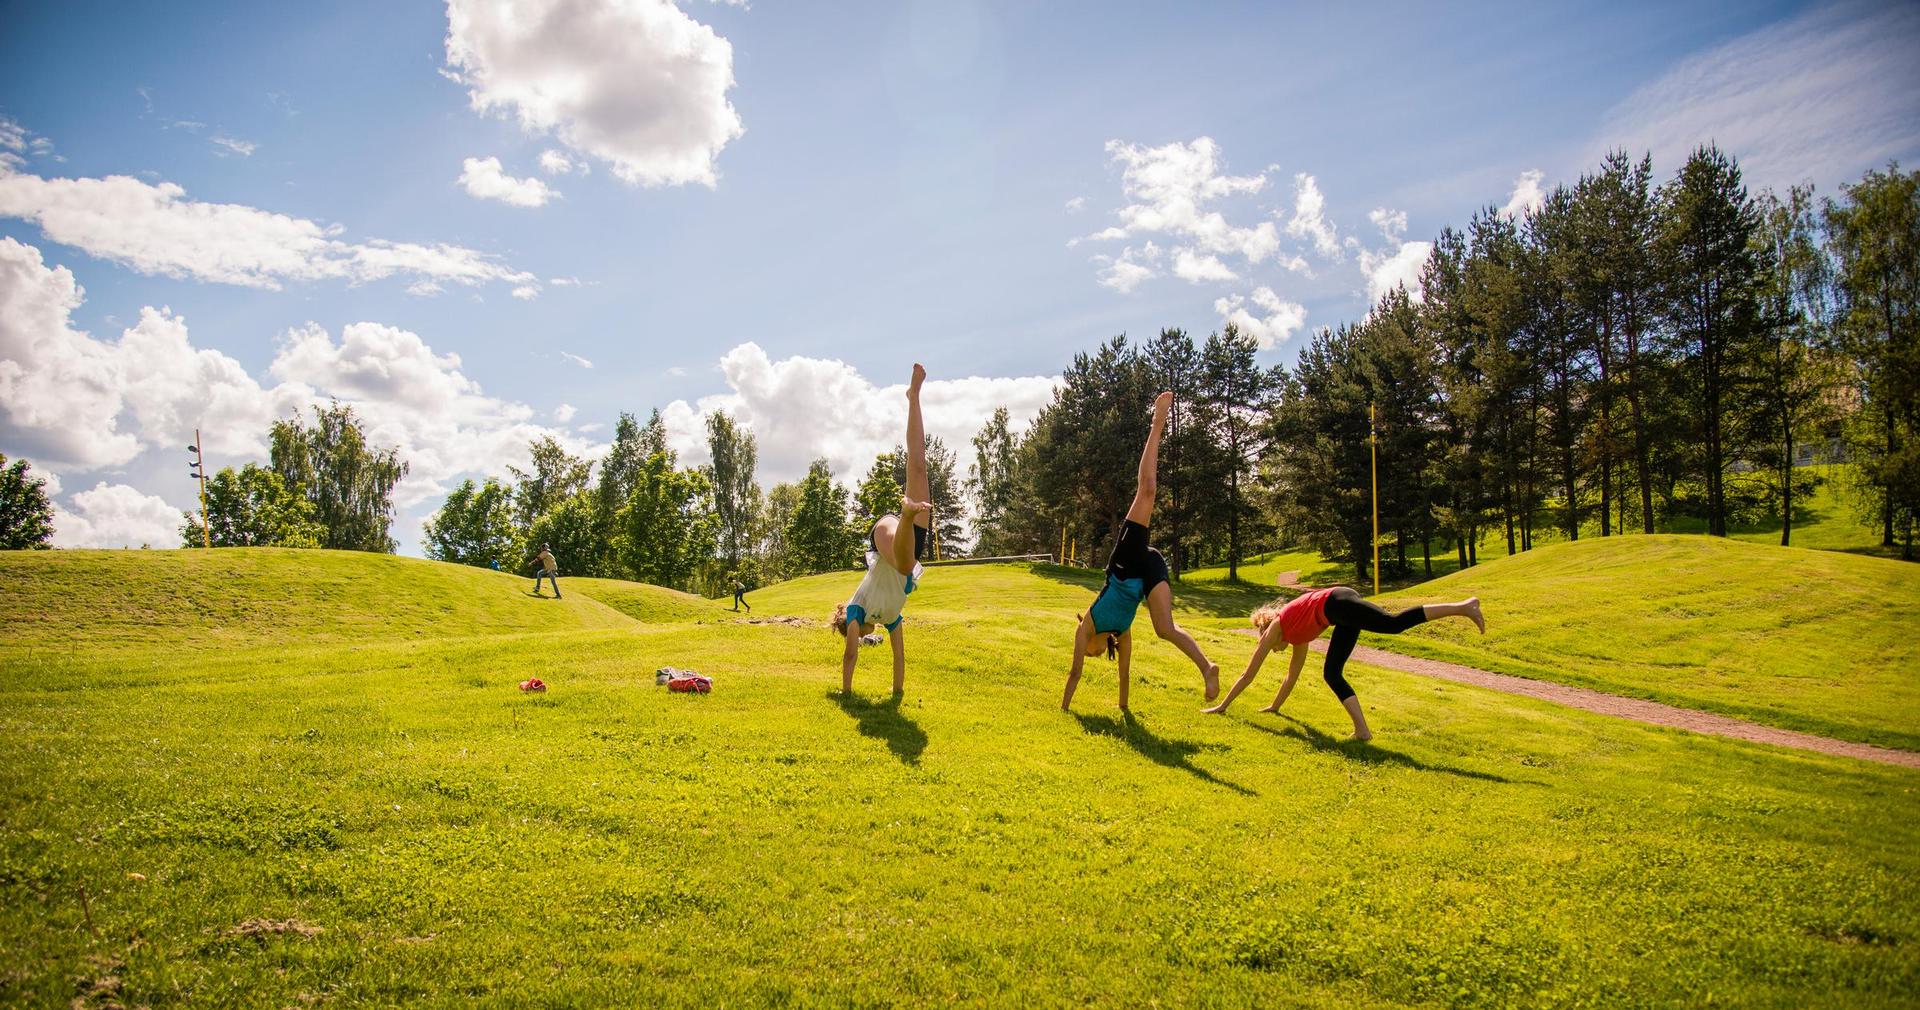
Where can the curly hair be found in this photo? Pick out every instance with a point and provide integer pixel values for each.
(839, 622)
(1267, 613)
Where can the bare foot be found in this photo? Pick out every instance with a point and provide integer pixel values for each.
(1214, 710)
(1213, 681)
(1163, 403)
(919, 376)
(1275, 709)
(1361, 737)
(910, 508)
(1473, 614)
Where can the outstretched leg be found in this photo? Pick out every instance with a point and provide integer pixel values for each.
(1147, 484)
(917, 488)
(1348, 608)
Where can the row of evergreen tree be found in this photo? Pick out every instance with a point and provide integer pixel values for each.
(1626, 356)
(1621, 357)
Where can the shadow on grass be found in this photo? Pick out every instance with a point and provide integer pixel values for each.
(1204, 599)
(1158, 749)
(1373, 754)
(884, 720)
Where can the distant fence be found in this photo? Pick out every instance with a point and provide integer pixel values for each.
(1011, 558)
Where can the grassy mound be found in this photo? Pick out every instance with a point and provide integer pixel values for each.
(643, 602)
(1812, 640)
(379, 823)
(194, 601)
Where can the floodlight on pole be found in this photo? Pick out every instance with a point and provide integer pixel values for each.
(199, 472)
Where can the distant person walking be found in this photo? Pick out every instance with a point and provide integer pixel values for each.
(740, 596)
(546, 568)
(1136, 574)
(1302, 619)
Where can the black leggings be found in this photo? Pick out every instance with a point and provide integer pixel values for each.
(1350, 615)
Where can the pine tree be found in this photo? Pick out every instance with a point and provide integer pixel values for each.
(1875, 239)
(1714, 270)
(1236, 394)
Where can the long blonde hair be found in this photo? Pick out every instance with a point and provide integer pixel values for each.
(1267, 613)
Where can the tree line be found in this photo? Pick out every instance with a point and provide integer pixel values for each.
(638, 514)
(1624, 355)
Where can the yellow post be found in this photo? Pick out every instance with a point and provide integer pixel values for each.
(200, 460)
(1373, 452)
(1063, 545)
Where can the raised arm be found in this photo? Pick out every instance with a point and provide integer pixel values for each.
(850, 657)
(899, 637)
(1080, 633)
(1126, 665)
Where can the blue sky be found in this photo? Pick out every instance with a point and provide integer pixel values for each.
(906, 181)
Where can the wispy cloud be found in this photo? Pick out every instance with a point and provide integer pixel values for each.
(576, 359)
(224, 146)
(1820, 97)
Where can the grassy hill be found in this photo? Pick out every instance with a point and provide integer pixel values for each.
(196, 601)
(1812, 640)
(1828, 519)
(365, 819)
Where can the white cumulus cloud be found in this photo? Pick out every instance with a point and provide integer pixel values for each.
(1309, 221)
(1173, 187)
(1527, 196)
(1397, 267)
(1277, 320)
(555, 162)
(156, 229)
(801, 409)
(89, 405)
(1199, 268)
(485, 179)
(638, 84)
(116, 515)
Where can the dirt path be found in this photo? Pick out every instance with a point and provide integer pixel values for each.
(1637, 709)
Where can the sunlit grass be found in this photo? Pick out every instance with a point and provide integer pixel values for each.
(459, 843)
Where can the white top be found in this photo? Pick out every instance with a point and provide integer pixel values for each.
(883, 591)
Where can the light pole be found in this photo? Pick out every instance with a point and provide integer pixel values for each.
(199, 473)
(1373, 454)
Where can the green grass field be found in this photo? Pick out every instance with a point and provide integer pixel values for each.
(331, 794)
(1819, 641)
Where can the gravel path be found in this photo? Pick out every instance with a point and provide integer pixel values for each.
(1639, 710)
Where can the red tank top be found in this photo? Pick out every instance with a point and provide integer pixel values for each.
(1304, 617)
